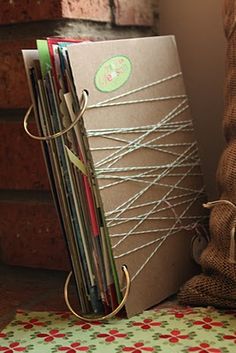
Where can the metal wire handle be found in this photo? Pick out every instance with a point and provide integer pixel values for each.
(105, 317)
(84, 103)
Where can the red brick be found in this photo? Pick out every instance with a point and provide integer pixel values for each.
(133, 12)
(22, 162)
(23, 11)
(98, 10)
(14, 11)
(14, 90)
(30, 235)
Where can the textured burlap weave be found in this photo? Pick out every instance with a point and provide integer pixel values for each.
(216, 286)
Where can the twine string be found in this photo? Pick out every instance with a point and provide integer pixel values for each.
(184, 162)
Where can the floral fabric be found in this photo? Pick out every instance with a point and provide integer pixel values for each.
(170, 330)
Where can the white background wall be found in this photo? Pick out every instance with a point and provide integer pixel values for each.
(198, 27)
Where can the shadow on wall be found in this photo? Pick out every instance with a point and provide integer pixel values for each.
(198, 27)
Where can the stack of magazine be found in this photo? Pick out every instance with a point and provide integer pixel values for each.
(118, 141)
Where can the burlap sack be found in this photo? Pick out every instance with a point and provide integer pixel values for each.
(217, 284)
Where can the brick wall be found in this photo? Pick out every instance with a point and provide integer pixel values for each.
(30, 234)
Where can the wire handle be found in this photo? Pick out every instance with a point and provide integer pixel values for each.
(105, 317)
(84, 103)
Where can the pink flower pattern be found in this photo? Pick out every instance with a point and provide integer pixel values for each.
(48, 337)
(175, 329)
(174, 336)
(112, 335)
(204, 348)
(138, 347)
(13, 347)
(146, 324)
(180, 313)
(208, 323)
(31, 323)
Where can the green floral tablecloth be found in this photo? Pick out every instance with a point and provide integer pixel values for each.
(171, 330)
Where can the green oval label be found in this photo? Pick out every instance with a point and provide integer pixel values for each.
(113, 73)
